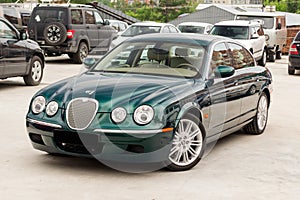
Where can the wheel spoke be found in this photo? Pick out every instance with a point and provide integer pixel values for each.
(188, 127)
(179, 154)
(185, 157)
(174, 149)
(181, 128)
(196, 143)
(195, 133)
(192, 152)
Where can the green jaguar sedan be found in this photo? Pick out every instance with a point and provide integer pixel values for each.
(153, 99)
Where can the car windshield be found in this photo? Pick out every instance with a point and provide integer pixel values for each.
(155, 58)
(139, 30)
(268, 22)
(191, 29)
(235, 32)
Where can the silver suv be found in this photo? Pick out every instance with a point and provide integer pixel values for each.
(248, 33)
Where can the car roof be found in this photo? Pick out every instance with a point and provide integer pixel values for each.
(194, 24)
(261, 14)
(237, 23)
(64, 5)
(150, 23)
(177, 37)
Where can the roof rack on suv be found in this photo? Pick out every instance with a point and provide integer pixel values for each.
(65, 5)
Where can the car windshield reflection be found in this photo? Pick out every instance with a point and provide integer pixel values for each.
(156, 58)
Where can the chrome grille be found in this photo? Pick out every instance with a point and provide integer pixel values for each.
(81, 112)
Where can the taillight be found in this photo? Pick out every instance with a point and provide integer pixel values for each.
(70, 34)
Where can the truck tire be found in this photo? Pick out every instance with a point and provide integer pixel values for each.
(55, 33)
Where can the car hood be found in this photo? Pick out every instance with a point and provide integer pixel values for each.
(126, 90)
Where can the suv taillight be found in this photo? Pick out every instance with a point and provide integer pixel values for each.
(293, 50)
(70, 34)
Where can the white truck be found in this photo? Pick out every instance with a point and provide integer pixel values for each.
(274, 25)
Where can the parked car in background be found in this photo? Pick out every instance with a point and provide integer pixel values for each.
(194, 27)
(274, 25)
(118, 25)
(162, 102)
(19, 56)
(141, 28)
(294, 55)
(71, 29)
(249, 33)
(18, 16)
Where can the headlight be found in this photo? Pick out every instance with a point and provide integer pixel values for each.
(38, 105)
(143, 114)
(52, 108)
(118, 115)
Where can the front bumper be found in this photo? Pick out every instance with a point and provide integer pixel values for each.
(134, 146)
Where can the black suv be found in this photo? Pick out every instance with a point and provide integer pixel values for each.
(74, 29)
(19, 56)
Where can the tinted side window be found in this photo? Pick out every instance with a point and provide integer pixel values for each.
(76, 16)
(44, 15)
(220, 56)
(98, 18)
(241, 57)
(165, 30)
(173, 30)
(6, 31)
(89, 17)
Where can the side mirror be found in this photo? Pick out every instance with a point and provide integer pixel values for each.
(278, 26)
(23, 35)
(106, 22)
(223, 71)
(254, 36)
(89, 62)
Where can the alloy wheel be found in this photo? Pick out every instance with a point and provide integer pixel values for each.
(36, 71)
(262, 112)
(187, 143)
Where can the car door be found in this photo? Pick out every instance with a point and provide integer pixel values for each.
(13, 51)
(224, 93)
(105, 32)
(257, 42)
(91, 28)
(249, 80)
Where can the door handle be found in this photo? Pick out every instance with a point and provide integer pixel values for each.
(5, 44)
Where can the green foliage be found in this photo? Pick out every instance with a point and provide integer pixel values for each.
(292, 6)
(8, 1)
(166, 11)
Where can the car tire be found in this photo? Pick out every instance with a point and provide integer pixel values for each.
(263, 60)
(35, 74)
(271, 57)
(291, 70)
(278, 55)
(55, 33)
(259, 123)
(81, 53)
(187, 147)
